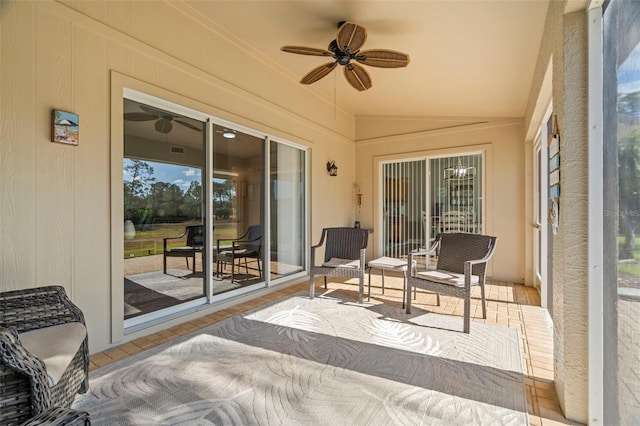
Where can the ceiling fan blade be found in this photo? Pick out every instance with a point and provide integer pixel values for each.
(154, 111)
(383, 58)
(140, 116)
(163, 126)
(303, 50)
(318, 72)
(189, 125)
(357, 76)
(351, 37)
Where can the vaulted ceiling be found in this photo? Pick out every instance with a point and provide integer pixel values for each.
(472, 58)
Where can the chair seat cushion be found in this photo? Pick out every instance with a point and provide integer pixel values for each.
(55, 346)
(446, 277)
(335, 262)
(176, 250)
(237, 253)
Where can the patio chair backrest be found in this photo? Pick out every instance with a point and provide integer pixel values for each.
(457, 248)
(195, 236)
(344, 243)
(254, 235)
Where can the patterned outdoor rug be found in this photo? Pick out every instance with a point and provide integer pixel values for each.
(323, 361)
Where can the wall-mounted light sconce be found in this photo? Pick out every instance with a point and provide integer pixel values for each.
(332, 168)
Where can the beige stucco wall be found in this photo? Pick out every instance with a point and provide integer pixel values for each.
(500, 139)
(564, 52)
(58, 220)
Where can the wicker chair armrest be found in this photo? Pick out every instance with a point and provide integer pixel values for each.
(313, 248)
(411, 262)
(426, 252)
(469, 264)
(39, 307)
(313, 255)
(485, 259)
(164, 240)
(234, 242)
(434, 246)
(479, 261)
(321, 242)
(173, 238)
(16, 357)
(218, 243)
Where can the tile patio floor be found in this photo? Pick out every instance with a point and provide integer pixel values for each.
(509, 305)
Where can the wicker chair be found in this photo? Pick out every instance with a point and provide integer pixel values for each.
(462, 263)
(344, 256)
(27, 388)
(248, 245)
(194, 244)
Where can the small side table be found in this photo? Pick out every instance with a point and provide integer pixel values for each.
(390, 264)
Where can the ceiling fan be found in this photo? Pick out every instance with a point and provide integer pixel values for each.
(345, 49)
(164, 120)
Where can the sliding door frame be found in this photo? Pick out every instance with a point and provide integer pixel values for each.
(487, 160)
(124, 87)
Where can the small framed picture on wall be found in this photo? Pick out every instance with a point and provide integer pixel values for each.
(65, 127)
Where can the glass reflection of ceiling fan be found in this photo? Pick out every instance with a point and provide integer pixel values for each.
(164, 120)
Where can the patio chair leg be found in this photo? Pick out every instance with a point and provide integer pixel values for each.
(325, 282)
(382, 270)
(369, 291)
(312, 286)
(467, 312)
(484, 302)
(233, 264)
(408, 300)
(404, 288)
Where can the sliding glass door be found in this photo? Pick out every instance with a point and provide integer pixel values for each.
(163, 163)
(288, 210)
(238, 207)
(621, 290)
(177, 164)
(404, 209)
(424, 197)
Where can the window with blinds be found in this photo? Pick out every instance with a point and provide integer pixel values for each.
(424, 197)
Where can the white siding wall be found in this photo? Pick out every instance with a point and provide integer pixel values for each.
(58, 222)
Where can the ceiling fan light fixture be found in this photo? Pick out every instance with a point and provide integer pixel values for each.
(163, 126)
(229, 134)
